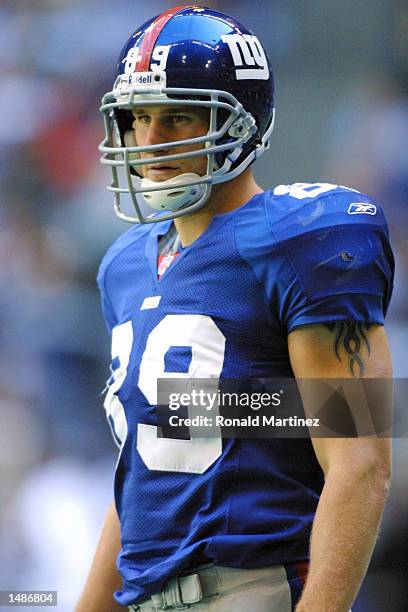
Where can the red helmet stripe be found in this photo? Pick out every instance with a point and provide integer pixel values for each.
(150, 37)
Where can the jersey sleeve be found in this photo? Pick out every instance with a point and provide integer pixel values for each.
(107, 308)
(339, 266)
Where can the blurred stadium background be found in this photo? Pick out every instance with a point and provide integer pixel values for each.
(341, 71)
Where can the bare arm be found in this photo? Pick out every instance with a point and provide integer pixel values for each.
(103, 578)
(357, 470)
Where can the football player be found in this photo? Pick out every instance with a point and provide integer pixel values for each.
(221, 279)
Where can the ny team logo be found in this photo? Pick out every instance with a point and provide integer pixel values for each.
(248, 56)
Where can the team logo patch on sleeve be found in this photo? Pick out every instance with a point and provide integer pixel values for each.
(362, 208)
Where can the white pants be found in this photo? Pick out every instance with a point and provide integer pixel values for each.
(222, 589)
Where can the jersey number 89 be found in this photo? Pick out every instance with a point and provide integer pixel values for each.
(207, 348)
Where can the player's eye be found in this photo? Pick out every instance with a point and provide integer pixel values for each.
(142, 119)
(178, 119)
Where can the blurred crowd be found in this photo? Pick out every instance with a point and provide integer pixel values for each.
(56, 60)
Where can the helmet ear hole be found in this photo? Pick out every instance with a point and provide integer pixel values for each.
(129, 139)
(124, 120)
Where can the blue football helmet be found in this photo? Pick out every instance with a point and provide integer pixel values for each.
(188, 56)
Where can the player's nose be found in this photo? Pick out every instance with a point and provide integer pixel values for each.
(156, 132)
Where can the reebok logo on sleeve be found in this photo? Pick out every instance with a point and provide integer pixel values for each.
(362, 208)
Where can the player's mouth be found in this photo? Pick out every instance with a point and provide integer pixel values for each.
(161, 169)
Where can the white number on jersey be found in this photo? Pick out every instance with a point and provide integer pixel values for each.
(122, 339)
(302, 191)
(208, 346)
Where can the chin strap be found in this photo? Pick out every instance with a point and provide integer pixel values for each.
(177, 195)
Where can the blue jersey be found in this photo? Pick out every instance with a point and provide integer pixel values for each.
(303, 254)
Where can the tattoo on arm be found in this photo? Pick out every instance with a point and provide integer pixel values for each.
(350, 336)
